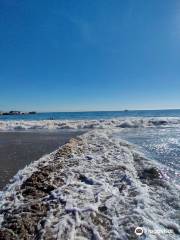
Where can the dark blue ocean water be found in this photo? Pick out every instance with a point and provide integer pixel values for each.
(94, 115)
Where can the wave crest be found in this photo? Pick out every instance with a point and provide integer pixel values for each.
(88, 124)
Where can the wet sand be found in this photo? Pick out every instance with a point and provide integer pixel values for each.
(17, 149)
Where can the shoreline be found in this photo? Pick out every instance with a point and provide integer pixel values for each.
(65, 194)
(20, 148)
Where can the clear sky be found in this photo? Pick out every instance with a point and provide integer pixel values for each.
(75, 55)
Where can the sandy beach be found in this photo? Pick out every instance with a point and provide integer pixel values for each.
(20, 148)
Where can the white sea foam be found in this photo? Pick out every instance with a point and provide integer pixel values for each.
(103, 196)
(88, 124)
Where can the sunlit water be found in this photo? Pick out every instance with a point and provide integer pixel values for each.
(159, 143)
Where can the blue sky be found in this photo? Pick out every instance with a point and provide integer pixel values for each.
(89, 55)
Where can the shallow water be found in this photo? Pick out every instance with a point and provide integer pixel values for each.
(159, 143)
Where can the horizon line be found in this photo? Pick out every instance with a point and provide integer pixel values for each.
(84, 111)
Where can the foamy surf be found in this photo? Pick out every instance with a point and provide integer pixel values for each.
(88, 124)
(94, 187)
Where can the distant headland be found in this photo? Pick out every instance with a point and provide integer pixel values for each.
(16, 113)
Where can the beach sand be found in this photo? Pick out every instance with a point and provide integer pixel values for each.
(18, 149)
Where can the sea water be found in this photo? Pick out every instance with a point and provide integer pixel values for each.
(156, 133)
(92, 115)
(130, 200)
(159, 143)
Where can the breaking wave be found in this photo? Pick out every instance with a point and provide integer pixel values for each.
(88, 124)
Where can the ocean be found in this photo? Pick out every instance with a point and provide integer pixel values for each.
(122, 173)
(93, 115)
(161, 143)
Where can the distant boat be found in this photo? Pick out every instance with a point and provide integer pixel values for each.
(126, 110)
(33, 112)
